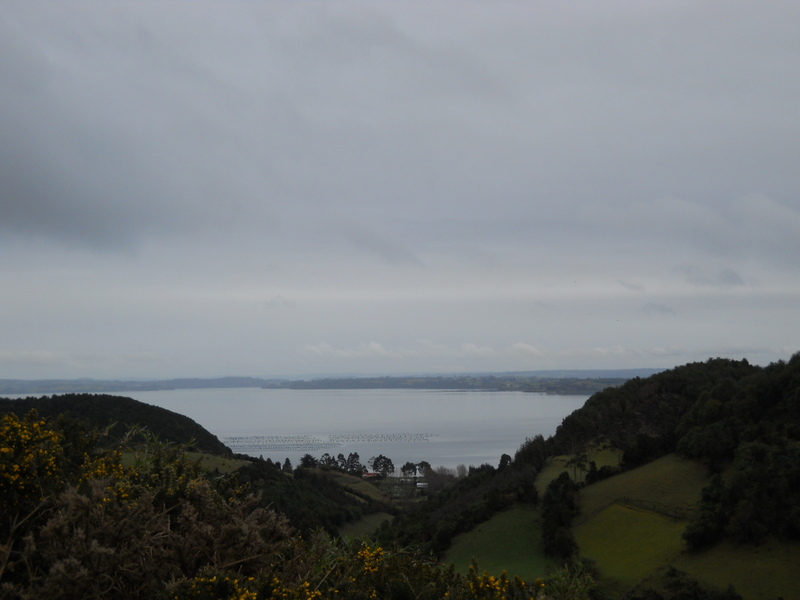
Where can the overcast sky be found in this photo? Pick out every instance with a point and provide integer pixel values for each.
(293, 188)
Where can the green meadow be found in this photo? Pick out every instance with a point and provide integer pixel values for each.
(630, 527)
(602, 457)
(669, 485)
(365, 526)
(510, 541)
(628, 544)
(365, 488)
(769, 570)
(210, 463)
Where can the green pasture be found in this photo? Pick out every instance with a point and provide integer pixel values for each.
(365, 526)
(603, 456)
(208, 462)
(211, 462)
(631, 524)
(355, 483)
(769, 570)
(670, 485)
(510, 541)
(628, 544)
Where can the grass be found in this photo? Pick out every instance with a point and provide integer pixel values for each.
(631, 524)
(769, 570)
(364, 527)
(355, 483)
(510, 541)
(603, 456)
(210, 462)
(669, 485)
(628, 544)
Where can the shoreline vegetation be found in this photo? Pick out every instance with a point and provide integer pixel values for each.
(565, 382)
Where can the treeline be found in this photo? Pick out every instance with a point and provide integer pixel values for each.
(352, 465)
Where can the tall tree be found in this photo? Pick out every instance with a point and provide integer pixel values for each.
(353, 464)
(308, 461)
(409, 469)
(382, 464)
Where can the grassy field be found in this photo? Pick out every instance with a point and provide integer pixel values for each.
(770, 570)
(631, 524)
(628, 544)
(602, 457)
(510, 541)
(670, 485)
(210, 462)
(364, 527)
(355, 483)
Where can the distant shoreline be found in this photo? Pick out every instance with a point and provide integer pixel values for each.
(549, 382)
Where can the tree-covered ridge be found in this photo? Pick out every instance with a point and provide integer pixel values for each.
(740, 420)
(100, 411)
(645, 417)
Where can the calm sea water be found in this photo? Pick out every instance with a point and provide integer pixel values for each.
(445, 428)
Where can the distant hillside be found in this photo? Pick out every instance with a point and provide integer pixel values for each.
(99, 411)
(551, 382)
(572, 385)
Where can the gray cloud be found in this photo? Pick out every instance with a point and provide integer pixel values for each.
(519, 185)
(656, 308)
(722, 277)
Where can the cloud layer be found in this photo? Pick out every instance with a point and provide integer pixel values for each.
(286, 188)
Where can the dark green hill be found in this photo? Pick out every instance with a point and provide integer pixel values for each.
(737, 419)
(98, 411)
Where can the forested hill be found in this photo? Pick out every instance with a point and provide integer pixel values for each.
(726, 414)
(98, 411)
(702, 410)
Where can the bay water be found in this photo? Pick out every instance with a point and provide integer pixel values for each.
(443, 427)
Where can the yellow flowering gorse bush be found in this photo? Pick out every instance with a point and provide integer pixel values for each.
(30, 453)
